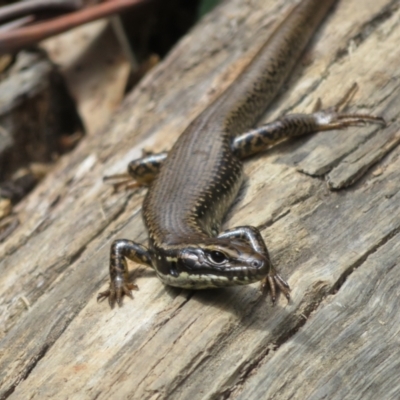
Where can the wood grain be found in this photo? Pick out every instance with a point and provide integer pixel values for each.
(36, 113)
(337, 338)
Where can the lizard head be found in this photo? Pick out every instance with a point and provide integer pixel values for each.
(216, 263)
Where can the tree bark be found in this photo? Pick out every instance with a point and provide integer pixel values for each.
(36, 113)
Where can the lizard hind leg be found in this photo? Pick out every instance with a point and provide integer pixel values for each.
(273, 282)
(293, 125)
(335, 118)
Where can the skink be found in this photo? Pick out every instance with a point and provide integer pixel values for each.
(193, 185)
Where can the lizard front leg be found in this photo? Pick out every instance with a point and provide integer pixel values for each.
(122, 249)
(252, 236)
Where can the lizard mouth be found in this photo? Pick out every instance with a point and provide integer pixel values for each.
(205, 278)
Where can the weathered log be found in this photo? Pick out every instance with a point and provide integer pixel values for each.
(337, 338)
(36, 112)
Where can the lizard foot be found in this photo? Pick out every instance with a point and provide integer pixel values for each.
(122, 181)
(274, 281)
(335, 117)
(116, 293)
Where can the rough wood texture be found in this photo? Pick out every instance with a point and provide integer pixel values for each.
(36, 111)
(338, 338)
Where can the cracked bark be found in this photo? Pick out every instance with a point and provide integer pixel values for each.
(339, 250)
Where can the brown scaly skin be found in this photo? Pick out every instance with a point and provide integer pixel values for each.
(193, 186)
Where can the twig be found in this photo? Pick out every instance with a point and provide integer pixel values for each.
(10, 26)
(14, 40)
(23, 8)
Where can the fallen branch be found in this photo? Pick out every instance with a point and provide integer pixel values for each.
(11, 41)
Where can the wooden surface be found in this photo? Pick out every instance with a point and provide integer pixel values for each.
(95, 70)
(338, 337)
(36, 113)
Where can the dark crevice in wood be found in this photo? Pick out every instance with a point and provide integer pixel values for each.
(307, 307)
(47, 222)
(386, 148)
(47, 345)
(342, 279)
(30, 365)
(28, 370)
(175, 312)
(284, 212)
(8, 227)
(327, 168)
(156, 331)
(247, 371)
(367, 29)
(158, 326)
(312, 89)
(273, 220)
(211, 352)
(362, 171)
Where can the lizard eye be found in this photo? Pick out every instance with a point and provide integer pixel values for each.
(217, 257)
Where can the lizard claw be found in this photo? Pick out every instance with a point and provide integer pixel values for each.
(335, 118)
(115, 294)
(274, 281)
(122, 181)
